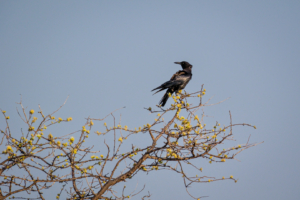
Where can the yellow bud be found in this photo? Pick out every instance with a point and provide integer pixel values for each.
(8, 148)
(34, 119)
(31, 112)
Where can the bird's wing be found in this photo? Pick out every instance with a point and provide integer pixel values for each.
(175, 80)
(180, 72)
(168, 84)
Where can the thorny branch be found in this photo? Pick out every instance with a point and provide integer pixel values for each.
(62, 159)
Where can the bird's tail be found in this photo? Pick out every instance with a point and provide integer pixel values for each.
(160, 89)
(165, 98)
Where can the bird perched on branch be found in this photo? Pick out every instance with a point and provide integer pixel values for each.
(177, 82)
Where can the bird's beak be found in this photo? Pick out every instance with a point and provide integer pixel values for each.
(178, 63)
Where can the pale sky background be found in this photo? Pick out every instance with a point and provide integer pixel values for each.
(110, 54)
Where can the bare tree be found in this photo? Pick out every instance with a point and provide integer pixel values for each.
(45, 160)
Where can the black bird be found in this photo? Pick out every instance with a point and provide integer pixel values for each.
(177, 82)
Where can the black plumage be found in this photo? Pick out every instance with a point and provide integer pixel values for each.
(177, 82)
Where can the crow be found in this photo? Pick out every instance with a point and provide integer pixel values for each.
(177, 82)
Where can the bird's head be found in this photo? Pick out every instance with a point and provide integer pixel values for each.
(184, 64)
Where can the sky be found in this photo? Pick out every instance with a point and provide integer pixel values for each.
(106, 55)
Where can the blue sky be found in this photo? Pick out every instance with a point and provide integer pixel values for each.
(110, 54)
